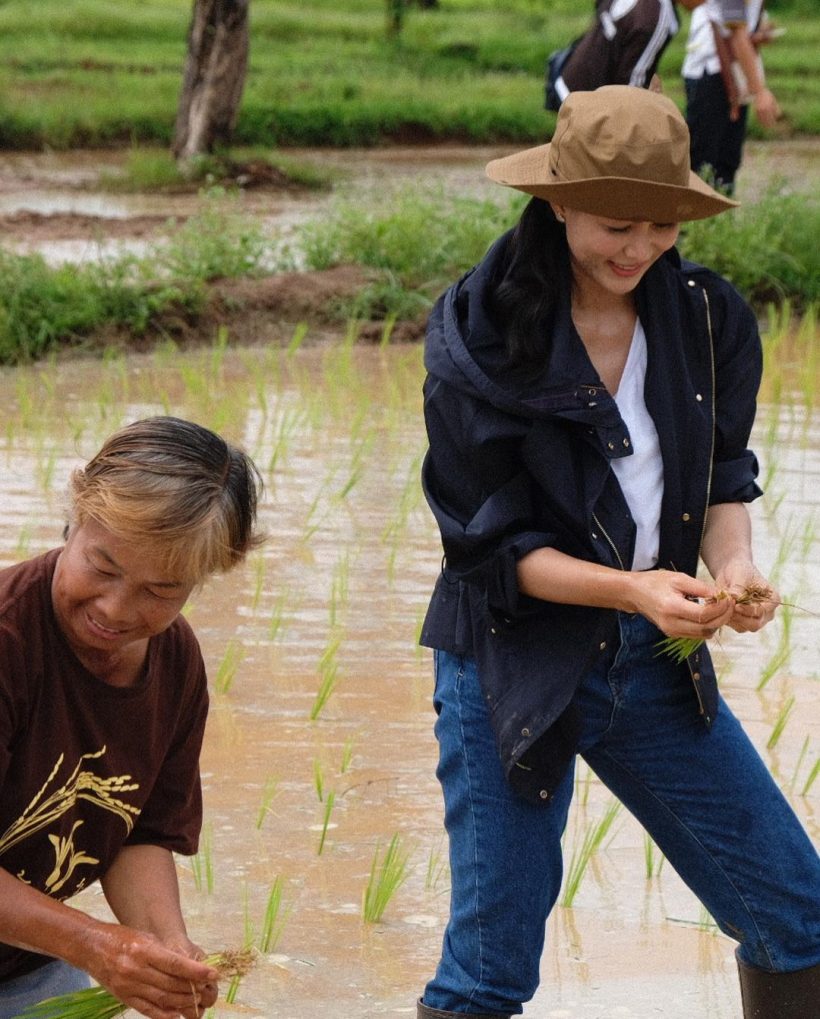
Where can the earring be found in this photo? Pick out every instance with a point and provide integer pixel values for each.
(559, 218)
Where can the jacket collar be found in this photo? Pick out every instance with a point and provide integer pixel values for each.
(464, 349)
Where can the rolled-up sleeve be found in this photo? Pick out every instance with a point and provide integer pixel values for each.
(738, 371)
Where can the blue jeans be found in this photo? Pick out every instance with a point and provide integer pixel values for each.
(48, 981)
(705, 797)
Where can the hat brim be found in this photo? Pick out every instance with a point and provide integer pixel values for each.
(616, 197)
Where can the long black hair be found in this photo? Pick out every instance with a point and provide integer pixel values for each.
(523, 292)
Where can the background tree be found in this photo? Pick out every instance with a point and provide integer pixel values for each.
(214, 76)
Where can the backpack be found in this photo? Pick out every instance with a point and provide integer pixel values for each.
(553, 71)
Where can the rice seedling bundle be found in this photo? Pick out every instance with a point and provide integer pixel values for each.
(680, 648)
(98, 1003)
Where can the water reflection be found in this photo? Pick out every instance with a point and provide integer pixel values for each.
(337, 595)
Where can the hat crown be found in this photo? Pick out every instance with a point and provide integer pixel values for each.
(600, 135)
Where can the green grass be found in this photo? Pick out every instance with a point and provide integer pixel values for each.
(89, 72)
(412, 247)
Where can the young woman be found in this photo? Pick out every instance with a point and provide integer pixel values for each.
(103, 699)
(588, 403)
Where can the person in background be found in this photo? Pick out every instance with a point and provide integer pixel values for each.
(588, 402)
(623, 46)
(103, 700)
(723, 74)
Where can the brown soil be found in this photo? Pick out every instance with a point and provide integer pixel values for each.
(253, 308)
(36, 227)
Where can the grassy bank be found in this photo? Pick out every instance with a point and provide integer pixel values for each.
(91, 72)
(410, 251)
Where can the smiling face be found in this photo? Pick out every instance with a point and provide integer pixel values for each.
(110, 596)
(610, 256)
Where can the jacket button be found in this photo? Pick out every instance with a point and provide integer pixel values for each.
(686, 518)
(595, 536)
(602, 646)
(525, 732)
(698, 397)
(695, 675)
(544, 794)
(610, 445)
(691, 283)
(626, 442)
(493, 630)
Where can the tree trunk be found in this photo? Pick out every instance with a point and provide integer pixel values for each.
(214, 76)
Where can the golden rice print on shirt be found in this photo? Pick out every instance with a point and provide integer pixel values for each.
(47, 807)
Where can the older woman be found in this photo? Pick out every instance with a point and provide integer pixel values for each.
(103, 700)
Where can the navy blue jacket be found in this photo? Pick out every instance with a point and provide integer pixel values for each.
(520, 462)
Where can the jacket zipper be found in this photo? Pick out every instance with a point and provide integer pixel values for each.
(693, 662)
(610, 542)
(712, 408)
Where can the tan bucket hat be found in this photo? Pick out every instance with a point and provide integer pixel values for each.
(619, 151)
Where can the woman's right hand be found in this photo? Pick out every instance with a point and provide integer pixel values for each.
(680, 605)
(139, 970)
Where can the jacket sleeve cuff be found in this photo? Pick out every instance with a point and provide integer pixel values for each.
(734, 480)
(503, 594)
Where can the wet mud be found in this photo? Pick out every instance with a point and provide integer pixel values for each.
(336, 597)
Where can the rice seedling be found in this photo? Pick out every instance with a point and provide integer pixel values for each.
(593, 837)
(318, 779)
(21, 548)
(290, 423)
(298, 338)
(273, 923)
(815, 771)
(347, 755)
(329, 672)
(387, 875)
(277, 618)
(329, 802)
(259, 582)
(98, 1003)
(583, 785)
(436, 868)
(801, 756)
(269, 794)
(387, 330)
(202, 863)
(809, 535)
(809, 362)
(92, 1003)
(680, 648)
(228, 666)
(780, 724)
(653, 857)
(782, 652)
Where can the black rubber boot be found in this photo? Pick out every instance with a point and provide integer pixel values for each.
(424, 1012)
(779, 995)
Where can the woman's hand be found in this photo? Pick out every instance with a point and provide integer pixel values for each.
(741, 579)
(680, 605)
(159, 981)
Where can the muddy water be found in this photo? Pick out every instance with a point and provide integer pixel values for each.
(339, 590)
(46, 190)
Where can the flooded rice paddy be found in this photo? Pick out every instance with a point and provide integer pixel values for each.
(319, 748)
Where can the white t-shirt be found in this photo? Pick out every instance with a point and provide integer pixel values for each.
(641, 474)
(701, 53)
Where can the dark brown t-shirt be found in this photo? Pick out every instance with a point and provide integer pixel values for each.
(623, 46)
(85, 767)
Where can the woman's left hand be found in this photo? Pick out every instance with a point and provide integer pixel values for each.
(738, 578)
